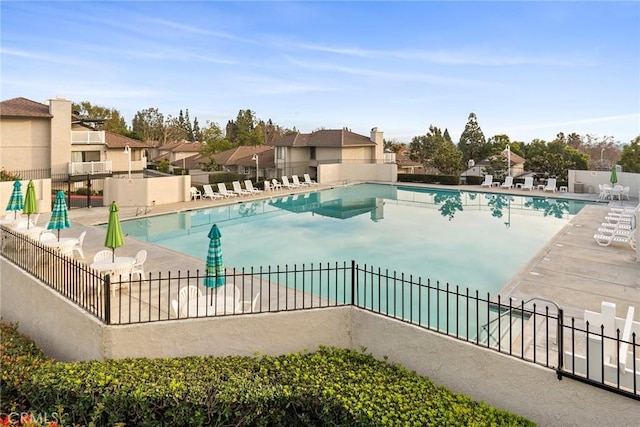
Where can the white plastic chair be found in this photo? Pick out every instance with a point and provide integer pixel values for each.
(77, 247)
(237, 188)
(249, 186)
(104, 254)
(249, 306)
(188, 295)
(296, 181)
(488, 181)
(120, 275)
(222, 189)
(267, 186)
(308, 180)
(551, 185)
(528, 183)
(508, 182)
(138, 266)
(275, 184)
(208, 192)
(195, 193)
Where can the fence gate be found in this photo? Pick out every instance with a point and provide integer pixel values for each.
(83, 191)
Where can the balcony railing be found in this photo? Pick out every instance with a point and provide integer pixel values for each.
(87, 137)
(89, 168)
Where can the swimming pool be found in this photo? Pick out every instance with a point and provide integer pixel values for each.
(475, 240)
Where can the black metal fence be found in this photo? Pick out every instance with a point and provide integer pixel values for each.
(535, 331)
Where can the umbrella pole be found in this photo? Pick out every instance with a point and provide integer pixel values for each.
(28, 220)
(113, 255)
(58, 234)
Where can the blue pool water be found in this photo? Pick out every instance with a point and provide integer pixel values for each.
(475, 240)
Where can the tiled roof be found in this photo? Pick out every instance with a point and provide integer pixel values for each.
(191, 162)
(324, 138)
(114, 140)
(23, 107)
(242, 156)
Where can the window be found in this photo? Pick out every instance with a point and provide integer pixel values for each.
(85, 156)
(280, 153)
(312, 153)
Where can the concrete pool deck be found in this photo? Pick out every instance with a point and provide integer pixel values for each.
(571, 269)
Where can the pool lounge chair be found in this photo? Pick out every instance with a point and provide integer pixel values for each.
(287, 184)
(222, 189)
(296, 181)
(237, 188)
(308, 180)
(208, 192)
(551, 185)
(605, 239)
(249, 186)
(508, 182)
(528, 183)
(488, 181)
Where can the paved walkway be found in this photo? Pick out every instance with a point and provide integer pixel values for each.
(571, 269)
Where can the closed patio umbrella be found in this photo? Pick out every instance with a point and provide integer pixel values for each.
(59, 214)
(215, 266)
(614, 175)
(114, 238)
(30, 202)
(16, 202)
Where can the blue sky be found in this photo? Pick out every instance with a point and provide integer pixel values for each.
(526, 69)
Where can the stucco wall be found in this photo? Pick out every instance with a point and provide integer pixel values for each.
(68, 333)
(25, 143)
(386, 172)
(502, 381)
(58, 327)
(147, 191)
(269, 333)
(591, 179)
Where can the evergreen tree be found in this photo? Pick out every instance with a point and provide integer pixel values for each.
(473, 143)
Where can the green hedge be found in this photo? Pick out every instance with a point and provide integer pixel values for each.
(226, 177)
(429, 179)
(328, 387)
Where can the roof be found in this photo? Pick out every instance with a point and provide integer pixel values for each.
(243, 154)
(191, 162)
(324, 138)
(181, 146)
(114, 140)
(514, 157)
(23, 107)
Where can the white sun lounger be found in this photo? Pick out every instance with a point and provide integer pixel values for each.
(208, 192)
(488, 181)
(222, 189)
(249, 186)
(237, 188)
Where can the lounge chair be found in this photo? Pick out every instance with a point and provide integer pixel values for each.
(605, 239)
(528, 183)
(296, 181)
(208, 192)
(249, 186)
(237, 188)
(308, 180)
(551, 185)
(508, 182)
(286, 183)
(276, 184)
(195, 193)
(488, 181)
(222, 189)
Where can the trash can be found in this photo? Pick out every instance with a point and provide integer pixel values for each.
(578, 187)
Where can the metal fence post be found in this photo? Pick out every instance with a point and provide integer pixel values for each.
(560, 335)
(353, 282)
(106, 290)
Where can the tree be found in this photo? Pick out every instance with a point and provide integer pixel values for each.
(433, 151)
(473, 144)
(630, 158)
(148, 124)
(554, 159)
(113, 121)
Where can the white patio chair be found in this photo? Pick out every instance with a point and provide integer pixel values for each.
(195, 193)
(222, 189)
(250, 188)
(551, 185)
(249, 306)
(276, 184)
(138, 266)
(267, 186)
(103, 254)
(308, 180)
(528, 183)
(77, 247)
(120, 277)
(508, 182)
(188, 295)
(488, 181)
(237, 188)
(208, 192)
(287, 184)
(296, 181)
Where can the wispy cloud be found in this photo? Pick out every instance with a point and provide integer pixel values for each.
(453, 57)
(560, 125)
(397, 76)
(43, 57)
(197, 30)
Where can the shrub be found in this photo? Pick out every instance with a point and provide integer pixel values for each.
(429, 179)
(328, 387)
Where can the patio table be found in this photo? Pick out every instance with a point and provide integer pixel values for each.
(220, 304)
(107, 265)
